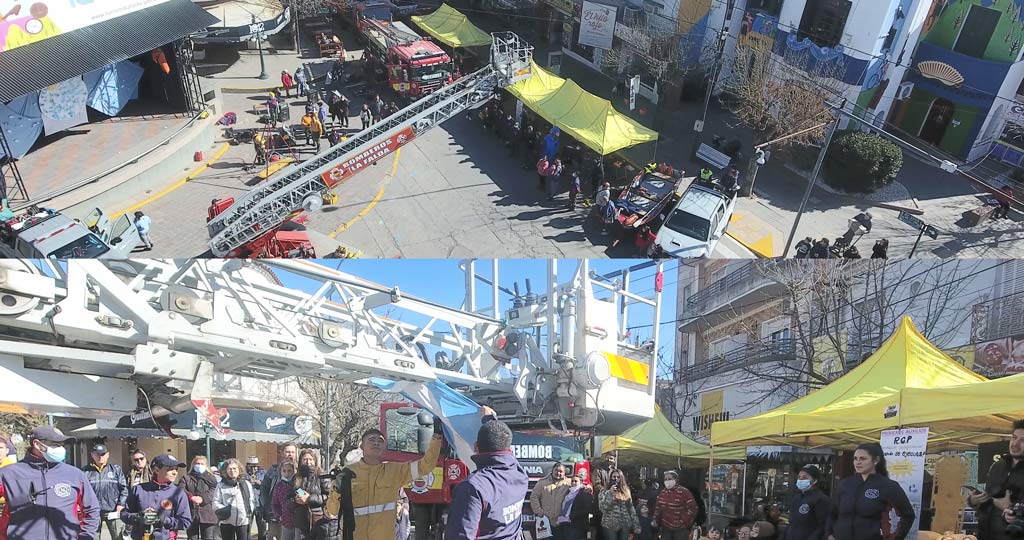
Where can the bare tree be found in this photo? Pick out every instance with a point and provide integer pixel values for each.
(21, 424)
(650, 49)
(841, 311)
(352, 409)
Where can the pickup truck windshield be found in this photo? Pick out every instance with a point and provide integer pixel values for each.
(84, 247)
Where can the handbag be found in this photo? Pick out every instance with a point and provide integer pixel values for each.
(543, 527)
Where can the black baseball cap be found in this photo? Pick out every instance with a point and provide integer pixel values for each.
(166, 460)
(99, 448)
(50, 433)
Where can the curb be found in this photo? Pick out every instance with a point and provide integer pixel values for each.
(751, 248)
(192, 174)
(236, 90)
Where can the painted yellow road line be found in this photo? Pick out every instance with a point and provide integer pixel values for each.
(175, 185)
(380, 193)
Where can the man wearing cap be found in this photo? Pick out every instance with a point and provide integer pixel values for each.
(111, 487)
(46, 498)
(158, 508)
(255, 475)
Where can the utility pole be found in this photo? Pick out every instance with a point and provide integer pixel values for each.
(810, 185)
(716, 70)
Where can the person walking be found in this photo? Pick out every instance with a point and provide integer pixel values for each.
(529, 146)
(286, 82)
(596, 173)
(809, 508)
(283, 490)
(255, 475)
(301, 83)
(377, 108)
(111, 487)
(551, 143)
(287, 453)
(575, 515)
(489, 503)
(335, 108)
(862, 501)
(618, 517)
(309, 499)
(365, 116)
(271, 104)
(158, 508)
(1003, 490)
(343, 109)
(547, 497)
(314, 130)
(199, 484)
(46, 498)
(574, 189)
(543, 170)
(675, 509)
(322, 112)
(1003, 196)
(139, 472)
(143, 223)
(234, 501)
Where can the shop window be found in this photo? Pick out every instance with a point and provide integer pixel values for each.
(823, 21)
(978, 29)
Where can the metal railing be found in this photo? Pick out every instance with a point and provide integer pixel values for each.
(748, 355)
(746, 279)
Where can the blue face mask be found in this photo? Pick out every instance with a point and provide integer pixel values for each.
(57, 454)
(803, 485)
(199, 469)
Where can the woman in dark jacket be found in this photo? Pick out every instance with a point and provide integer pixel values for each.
(199, 484)
(309, 499)
(861, 504)
(808, 508)
(579, 513)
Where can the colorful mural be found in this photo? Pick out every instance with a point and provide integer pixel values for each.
(22, 23)
(758, 27)
(1006, 35)
(692, 27)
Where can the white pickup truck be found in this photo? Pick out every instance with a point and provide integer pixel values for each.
(50, 234)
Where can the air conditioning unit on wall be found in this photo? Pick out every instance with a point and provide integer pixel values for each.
(904, 91)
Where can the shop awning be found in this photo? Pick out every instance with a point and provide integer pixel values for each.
(658, 441)
(65, 56)
(449, 26)
(242, 20)
(238, 424)
(907, 382)
(588, 118)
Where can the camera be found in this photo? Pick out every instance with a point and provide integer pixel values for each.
(1016, 529)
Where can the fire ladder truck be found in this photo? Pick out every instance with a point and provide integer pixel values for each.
(264, 209)
(92, 338)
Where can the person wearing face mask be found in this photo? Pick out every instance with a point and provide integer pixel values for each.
(47, 499)
(159, 508)
(283, 489)
(547, 497)
(199, 484)
(313, 520)
(808, 507)
(675, 510)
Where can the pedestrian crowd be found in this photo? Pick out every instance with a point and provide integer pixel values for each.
(43, 498)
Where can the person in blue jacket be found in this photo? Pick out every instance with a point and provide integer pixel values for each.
(551, 144)
(160, 506)
(862, 502)
(47, 499)
(489, 504)
(809, 508)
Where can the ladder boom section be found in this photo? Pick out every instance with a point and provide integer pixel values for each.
(263, 209)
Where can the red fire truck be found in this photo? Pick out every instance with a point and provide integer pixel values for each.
(537, 451)
(413, 65)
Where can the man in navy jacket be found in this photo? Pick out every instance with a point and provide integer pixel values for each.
(489, 504)
(159, 504)
(111, 487)
(46, 498)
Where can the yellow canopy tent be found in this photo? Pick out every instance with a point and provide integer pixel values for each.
(657, 441)
(906, 382)
(449, 26)
(588, 118)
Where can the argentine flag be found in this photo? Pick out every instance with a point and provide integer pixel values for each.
(459, 415)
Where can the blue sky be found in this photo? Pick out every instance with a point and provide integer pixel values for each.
(441, 281)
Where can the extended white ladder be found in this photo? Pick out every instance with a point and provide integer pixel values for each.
(265, 208)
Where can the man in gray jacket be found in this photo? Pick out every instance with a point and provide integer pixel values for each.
(111, 487)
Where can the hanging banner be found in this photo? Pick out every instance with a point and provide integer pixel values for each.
(905, 455)
(597, 25)
(22, 23)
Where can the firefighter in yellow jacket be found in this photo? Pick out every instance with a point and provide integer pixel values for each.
(375, 485)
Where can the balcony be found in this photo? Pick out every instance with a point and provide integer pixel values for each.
(776, 351)
(749, 284)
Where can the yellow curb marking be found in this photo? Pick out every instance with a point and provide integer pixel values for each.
(380, 193)
(176, 185)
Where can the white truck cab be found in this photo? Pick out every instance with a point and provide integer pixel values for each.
(49, 234)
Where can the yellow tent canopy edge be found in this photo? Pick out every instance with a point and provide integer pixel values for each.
(449, 26)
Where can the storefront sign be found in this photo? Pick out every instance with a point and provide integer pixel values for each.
(998, 357)
(712, 409)
(342, 171)
(597, 25)
(245, 32)
(905, 455)
(22, 23)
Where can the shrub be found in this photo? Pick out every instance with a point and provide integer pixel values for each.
(862, 162)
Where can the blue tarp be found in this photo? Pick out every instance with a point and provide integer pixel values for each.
(112, 87)
(22, 123)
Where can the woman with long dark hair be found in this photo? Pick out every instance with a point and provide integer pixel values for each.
(309, 499)
(618, 518)
(861, 504)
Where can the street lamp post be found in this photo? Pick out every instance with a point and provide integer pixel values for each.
(259, 43)
(195, 435)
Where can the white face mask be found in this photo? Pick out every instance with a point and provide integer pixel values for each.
(669, 484)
